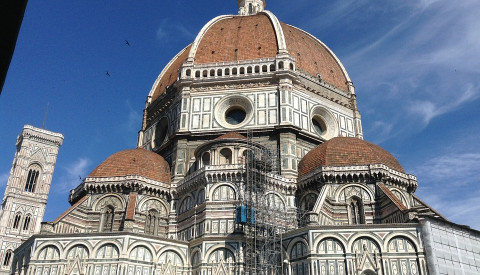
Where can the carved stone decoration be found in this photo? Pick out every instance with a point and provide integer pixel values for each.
(109, 200)
(367, 258)
(153, 204)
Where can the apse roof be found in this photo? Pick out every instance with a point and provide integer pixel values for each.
(346, 151)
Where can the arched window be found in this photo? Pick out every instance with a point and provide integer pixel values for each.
(141, 254)
(108, 217)
(225, 156)
(7, 258)
(309, 201)
(355, 210)
(16, 221)
(151, 222)
(26, 223)
(206, 159)
(32, 178)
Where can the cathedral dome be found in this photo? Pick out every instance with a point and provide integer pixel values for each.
(134, 162)
(346, 151)
(259, 36)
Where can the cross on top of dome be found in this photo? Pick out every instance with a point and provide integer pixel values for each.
(250, 7)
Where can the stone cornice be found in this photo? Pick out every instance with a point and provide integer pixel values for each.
(42, 135)
(119, 184)
(374, 171)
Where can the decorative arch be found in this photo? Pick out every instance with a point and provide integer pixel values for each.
(153, 203)
(294, 242)
(298, 252)
(308, 201)
(101, 251)
(276, 200)
(408, 236)
(196, 258)
(342, 194)
(403, 255)
(224, 192)
(332, 256)
(372, 243)
(222, 261)
(209, 252)
(186, 204)
(117, 201)
(170, 262)
(77, 250)
(336, 237)
(48, 252)
(141, 253)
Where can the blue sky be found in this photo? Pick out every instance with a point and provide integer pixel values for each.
(415, 66)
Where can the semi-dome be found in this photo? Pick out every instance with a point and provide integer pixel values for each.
(346, 151)
(134, 162)
(231, 135)
(260, 36)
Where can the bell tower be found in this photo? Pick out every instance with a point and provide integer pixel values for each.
(26, 194)
(250, 7)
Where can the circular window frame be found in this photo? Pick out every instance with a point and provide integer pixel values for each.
(326, 120)
(156, 141)
(234, 108)
(230, 103)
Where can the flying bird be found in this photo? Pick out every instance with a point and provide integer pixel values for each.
(128, 43)
(108, 74)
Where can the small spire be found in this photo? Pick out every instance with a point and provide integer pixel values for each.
(250, 7)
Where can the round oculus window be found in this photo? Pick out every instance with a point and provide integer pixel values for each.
(161, 132)
(233, 111)
(235, 116)
(319, 125)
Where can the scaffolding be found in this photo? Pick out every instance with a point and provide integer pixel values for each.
(260, 213)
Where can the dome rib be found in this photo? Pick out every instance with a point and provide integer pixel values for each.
(134, 162)
(346, 151)
(169, 74)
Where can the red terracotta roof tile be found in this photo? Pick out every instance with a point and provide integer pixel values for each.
(346, 151)
(392, 196)
(138, 162)
(231, 135)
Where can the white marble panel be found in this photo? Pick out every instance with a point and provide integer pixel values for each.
(272, 117)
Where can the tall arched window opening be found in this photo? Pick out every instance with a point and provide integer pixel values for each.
(225, 156)
(7, 258)
(108, 216)
(16, 221)
(151, 222)
(206, 159)
(26, 223)
(32, 178)
(355, 209)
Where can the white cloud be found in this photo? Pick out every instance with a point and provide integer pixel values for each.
(74, 173)
(171, 31)
(430, 58)
(449, 183)
(457, 169)
(427, 110)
